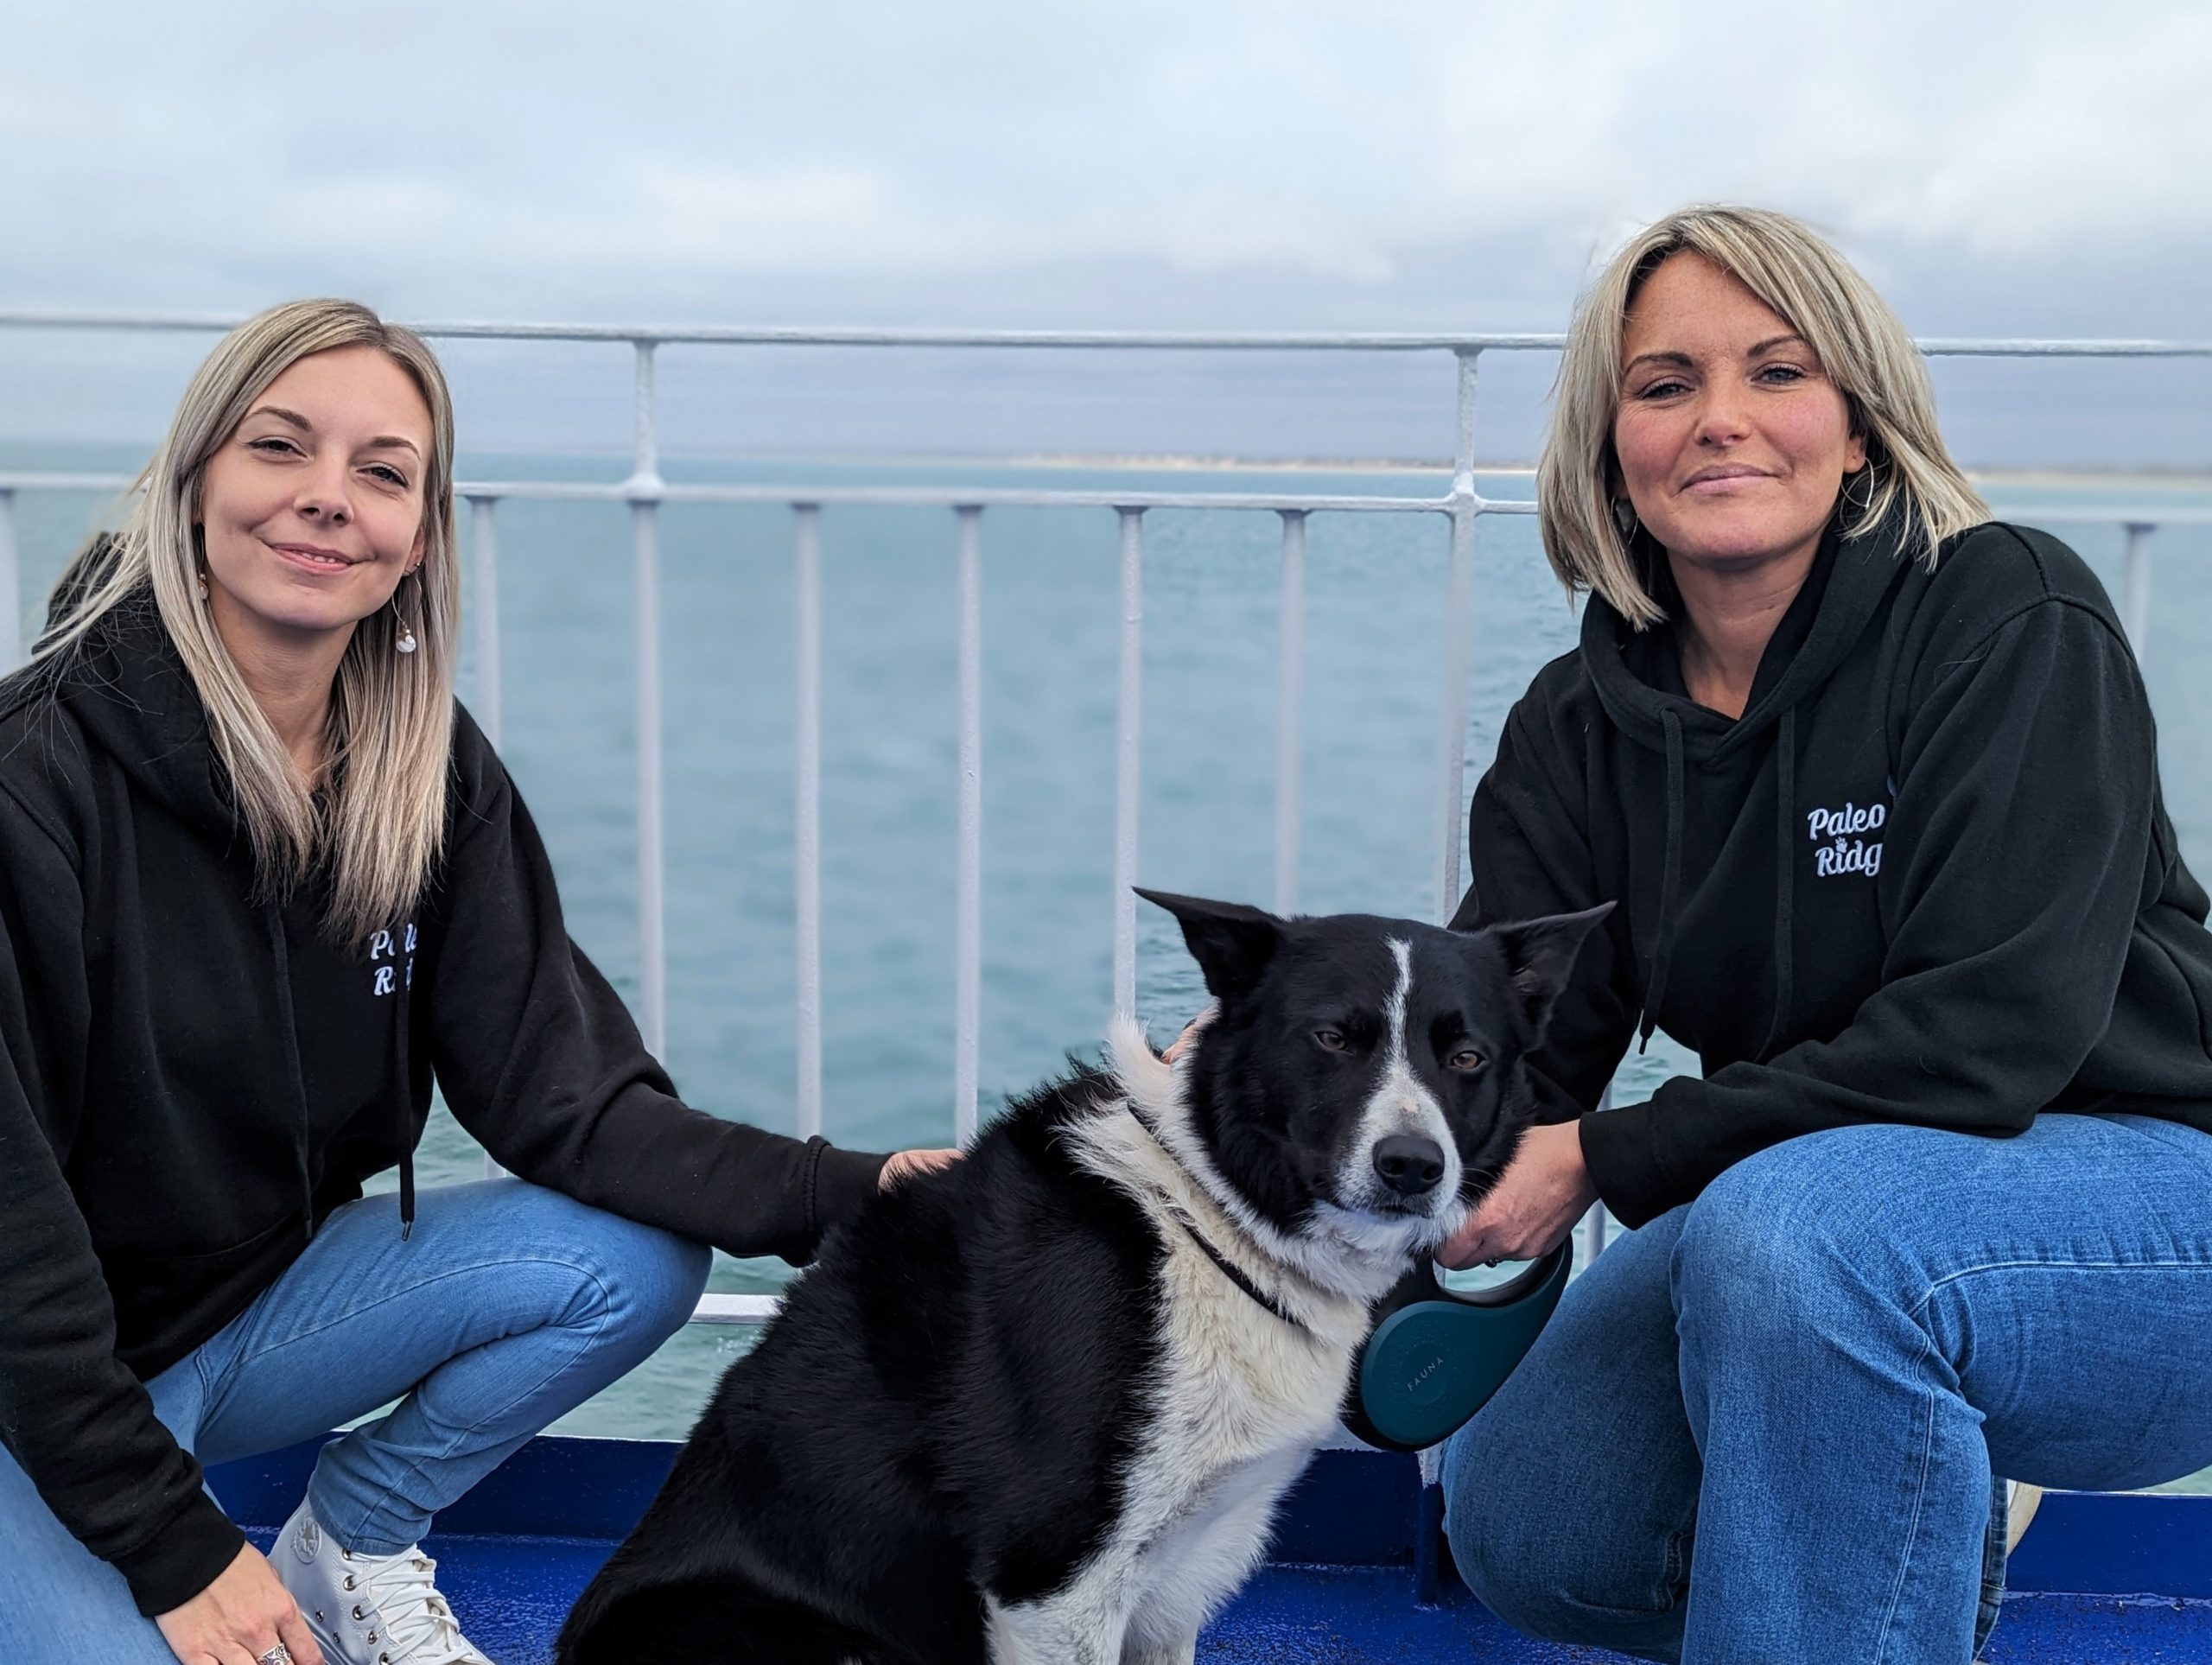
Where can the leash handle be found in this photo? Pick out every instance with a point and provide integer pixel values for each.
(1436, 1354)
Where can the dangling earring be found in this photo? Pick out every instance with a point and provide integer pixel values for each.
(1624, 517)
(199, 582)
(406, 641)
(1858, 506)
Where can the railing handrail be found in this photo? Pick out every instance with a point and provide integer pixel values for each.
(1171, 340)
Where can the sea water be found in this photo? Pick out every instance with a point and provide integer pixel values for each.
(1373, 702)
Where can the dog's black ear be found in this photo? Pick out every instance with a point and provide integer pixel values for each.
(1540, 956)
(1231, 942)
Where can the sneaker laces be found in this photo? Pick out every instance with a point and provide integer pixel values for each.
(419, 1628)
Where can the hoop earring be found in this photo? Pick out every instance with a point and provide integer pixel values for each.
(1860, 505)
(405, 643)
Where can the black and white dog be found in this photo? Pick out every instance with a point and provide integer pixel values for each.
(1039, 1409)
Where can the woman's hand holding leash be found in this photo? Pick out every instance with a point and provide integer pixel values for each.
(243, 1619)
(1544, 1189)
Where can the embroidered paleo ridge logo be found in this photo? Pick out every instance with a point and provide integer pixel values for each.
(1845, 850)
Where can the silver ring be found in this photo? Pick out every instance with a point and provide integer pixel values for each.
(280, 1654)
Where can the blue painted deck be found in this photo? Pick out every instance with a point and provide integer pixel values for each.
(2112, 1580)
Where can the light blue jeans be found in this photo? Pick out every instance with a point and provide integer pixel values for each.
(508, 1305)
(1764, 1426)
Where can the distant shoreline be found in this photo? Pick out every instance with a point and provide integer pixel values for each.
(2192, 477)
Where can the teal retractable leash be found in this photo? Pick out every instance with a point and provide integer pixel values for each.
(1436, 1354)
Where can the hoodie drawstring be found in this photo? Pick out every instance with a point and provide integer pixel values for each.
(274, 916)
(1670, 883)
(1785, 896)
(403, 1125)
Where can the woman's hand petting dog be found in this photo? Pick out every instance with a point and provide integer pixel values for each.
(1544, 1189)
(241, 1618)
(906, 1164)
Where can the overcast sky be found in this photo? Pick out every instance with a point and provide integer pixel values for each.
(1998, 169)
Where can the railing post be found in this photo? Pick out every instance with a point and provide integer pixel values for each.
(1458, 602)
(1290, 711)
(484, 564)
(2136, 605)
(1127, 775)
(968, 945)
(643, 491)
(484, 568)
(807, 816)
(11, 587)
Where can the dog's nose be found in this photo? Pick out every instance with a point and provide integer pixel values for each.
(1409, 1166)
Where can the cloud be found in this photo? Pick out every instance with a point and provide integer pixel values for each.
(2106, 136)
(437, 149)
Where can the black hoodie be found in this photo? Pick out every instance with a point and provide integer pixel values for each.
(190, 1080)
(1927, 877)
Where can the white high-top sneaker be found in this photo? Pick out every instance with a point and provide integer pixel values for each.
(368, 1610)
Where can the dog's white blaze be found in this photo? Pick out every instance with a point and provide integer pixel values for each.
(1394, 1009)
(1401, 1103)
(1240, 1402)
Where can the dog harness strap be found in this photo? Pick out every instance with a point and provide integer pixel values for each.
(1228, 1267)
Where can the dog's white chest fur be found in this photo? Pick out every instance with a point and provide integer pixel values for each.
(1241, 1399)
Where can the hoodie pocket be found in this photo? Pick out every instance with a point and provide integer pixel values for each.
(169, 1303)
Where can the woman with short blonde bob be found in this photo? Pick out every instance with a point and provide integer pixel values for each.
(1871, 781)
(262, 882)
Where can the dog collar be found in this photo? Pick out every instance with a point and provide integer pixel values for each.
(1229, 1268)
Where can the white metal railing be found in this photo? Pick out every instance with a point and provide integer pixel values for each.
(644, 491)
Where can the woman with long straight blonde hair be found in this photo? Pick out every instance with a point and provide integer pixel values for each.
(262, 882)
(1873, 782)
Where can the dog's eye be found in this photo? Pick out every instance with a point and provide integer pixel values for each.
(1331, 1040)
(1465, 1059)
